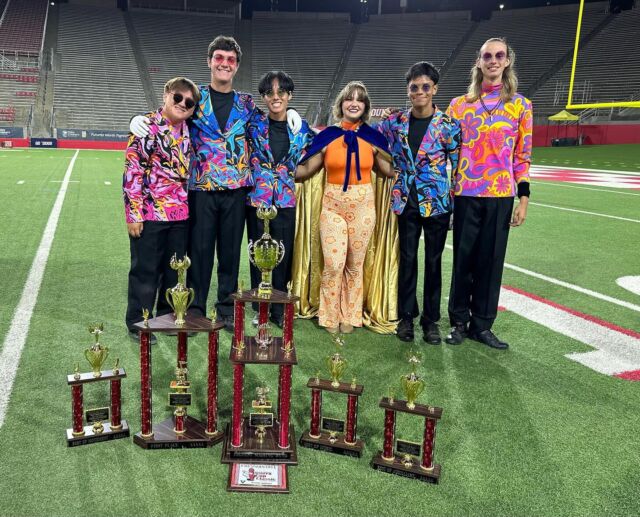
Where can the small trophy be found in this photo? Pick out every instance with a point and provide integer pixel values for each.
(180, 398)
(264, 337)
(180, 297)
(96, 354)
(266, 253)
(261, 420)
(412, 384)
(336, 363)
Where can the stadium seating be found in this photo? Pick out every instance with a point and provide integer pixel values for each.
(22, 27)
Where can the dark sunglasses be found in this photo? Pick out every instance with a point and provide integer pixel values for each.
(500, 56)
(178, 98)
(414, 88)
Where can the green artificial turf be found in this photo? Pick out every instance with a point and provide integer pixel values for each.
(526, 432)
(624, 157)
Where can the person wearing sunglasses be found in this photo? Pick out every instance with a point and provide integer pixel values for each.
(275, 152)
(220, 178)
(422, 140)
(495, 155)
(155, 200)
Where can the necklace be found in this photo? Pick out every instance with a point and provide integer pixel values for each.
(490, 111)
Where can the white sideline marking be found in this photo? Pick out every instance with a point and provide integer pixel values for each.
(17, 334)
(554, 184)
(630, 283)
(573, 287)
(21, 182)
(585, 212)
(615, 352)
(62, 181)
(589, 170)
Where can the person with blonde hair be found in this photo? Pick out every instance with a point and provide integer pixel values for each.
(495, 154)
(348, 151)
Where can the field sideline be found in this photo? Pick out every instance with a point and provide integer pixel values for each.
(547, 428)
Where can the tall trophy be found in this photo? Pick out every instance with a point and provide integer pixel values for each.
(179, 430)
(331, 434)
(266, 253)
(103, 423)
(409, 458)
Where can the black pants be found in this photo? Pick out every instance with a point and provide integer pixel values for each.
(410, 225)
(216, 222)
(150, 274)
(480, 234)
(282, 228)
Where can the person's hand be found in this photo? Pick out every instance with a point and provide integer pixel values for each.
(520, 212)
(387, 112)
(294, 120)
(134, 229)
(139, 126)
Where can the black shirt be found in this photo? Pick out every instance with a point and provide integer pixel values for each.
(417, 129)
(222, 104)
(278, 139)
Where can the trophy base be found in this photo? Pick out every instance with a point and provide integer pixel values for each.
(90, 436)
(339, 446)
(398, 468)
(164, 437)
(253, 450)
(263, 478)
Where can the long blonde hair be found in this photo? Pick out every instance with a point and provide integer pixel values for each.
(354, 88)
(509, 77)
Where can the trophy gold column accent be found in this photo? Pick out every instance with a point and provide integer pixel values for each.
(181, 386)
(266, 253)
(180, 297)
(96, 354)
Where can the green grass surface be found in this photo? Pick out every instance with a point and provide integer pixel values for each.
(526, 432)
(624, 157)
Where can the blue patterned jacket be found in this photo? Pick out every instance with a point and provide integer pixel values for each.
(429, 169)
(274, 183)
(221, 160)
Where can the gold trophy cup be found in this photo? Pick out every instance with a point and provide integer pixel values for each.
(96, 354)
(266, 253)
(412, 384)
(180, 297)
(336, 363)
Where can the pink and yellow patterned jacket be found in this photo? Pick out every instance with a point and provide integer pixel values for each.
(496, 147)
(156, 173)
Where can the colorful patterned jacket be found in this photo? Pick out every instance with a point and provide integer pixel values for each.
(428, 169)
(496, 147)
(221, 160)
(274, 184)
(156, 173)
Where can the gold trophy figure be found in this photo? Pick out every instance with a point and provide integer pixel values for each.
(181, 386)
(180, 297)
(96, 354)
(412, 384)
(336, 363)
(262, 403)
(266, 253)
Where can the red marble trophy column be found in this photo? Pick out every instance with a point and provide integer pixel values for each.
(389, 433)
(181, 412)
(427, 443)
(352, 415)
(284, 405)
(145, 385)
(116, 424)
(212, 385)
(76, 409)
(263, 312)
(236, 414)
(316, 408)
(238, 329)
(287, 327)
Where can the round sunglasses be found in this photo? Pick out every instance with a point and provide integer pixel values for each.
(188, 102)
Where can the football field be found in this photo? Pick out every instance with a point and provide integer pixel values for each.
(549, 427)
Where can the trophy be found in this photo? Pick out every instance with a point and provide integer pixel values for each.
(266, 253)
(331, 434)
(261, 420)
(180, 398)
(103, 423)
(180, 297)
(409, 459)
(96, 354)
(264, 337)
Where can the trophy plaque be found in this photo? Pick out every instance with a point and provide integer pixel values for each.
(409, 459)
(104, 423)
(248, 477)
(329, 434)
(180, 430)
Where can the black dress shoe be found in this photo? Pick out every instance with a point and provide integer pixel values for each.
(404, 330)
(277, 320)
(431, 334)
(228, 322)
(135, 336)
(457, 335)
(488, 338)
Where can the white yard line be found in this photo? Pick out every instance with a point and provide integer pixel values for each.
(107, 183)
(633, 173)
(19, 329)
(547, 183)
(21, 182)
(585, 212)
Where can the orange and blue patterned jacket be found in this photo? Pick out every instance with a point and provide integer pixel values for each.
(496, 148)
(221, 160)
(428, 169)
(156, 172)
(274, 183)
